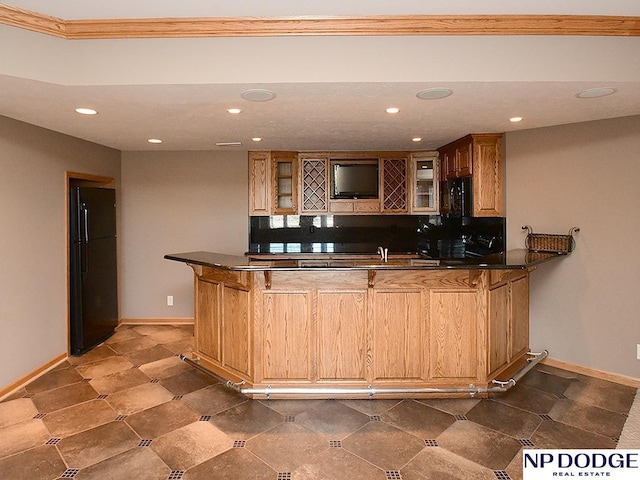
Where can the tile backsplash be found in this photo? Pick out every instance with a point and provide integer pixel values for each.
(433, 235)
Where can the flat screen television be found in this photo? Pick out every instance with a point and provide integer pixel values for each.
(354, 179)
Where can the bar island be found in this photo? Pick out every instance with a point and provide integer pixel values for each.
(361, 326)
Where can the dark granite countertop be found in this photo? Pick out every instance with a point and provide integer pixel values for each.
(518, 259)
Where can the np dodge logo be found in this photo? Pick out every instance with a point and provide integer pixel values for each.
(611, 464)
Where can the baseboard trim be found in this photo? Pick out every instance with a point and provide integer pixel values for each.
(156, 321)
(592, 372)
(8, 390)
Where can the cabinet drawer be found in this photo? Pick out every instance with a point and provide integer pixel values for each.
(371, 206)
(341, 207)
(354, 206)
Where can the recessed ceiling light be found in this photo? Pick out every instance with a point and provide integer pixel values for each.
(256, 139)
(434, 93)
(258, 95)
(596, 92)
(154, 140)
(86, 111)
(393, 110)
(416, 139)
(515, 119)
(234, 111)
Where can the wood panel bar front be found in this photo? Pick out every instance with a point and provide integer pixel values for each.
(385, 328)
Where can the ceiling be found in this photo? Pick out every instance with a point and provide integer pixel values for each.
(330, 93)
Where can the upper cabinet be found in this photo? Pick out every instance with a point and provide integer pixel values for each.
(423, 182)
(457, 160)
(316, 183)
(478, 156)
(259, 183)
(488, 198)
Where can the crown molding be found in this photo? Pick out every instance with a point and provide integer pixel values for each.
(36, 22)
(388, 25)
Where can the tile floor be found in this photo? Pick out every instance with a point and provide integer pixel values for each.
(131, 409)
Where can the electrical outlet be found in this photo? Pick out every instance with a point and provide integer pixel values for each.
(638, 351)
(170, 302)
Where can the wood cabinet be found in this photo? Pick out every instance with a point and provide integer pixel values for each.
(457, 159)
(478, 156)
(259, 183)
(359, 328)
(424, 187)
(488, 198)
(223, 333)
(289, 183)
(508, 319)
(273, 183)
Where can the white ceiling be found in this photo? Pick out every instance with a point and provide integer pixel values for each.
(330, 92)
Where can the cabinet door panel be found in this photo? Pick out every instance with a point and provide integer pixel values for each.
(520, 316)
(236, 346)
(207, 334)
(398, 346)
(342, 335)
(259, 183)
(286, 336)
(453, 336)
(464, 160)
(487, 177)
(498, 327)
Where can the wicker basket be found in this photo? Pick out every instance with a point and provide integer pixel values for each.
(546, 242)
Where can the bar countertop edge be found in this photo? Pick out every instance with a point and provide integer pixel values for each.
(517, 259)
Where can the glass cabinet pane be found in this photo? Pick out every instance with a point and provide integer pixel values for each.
(284, 169)
(285, 178)
(425, 191)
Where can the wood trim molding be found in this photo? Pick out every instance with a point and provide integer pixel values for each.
(16, 17)
(156, 321)
(592, 372)
(93, 180)
(384, 25)
(9, 389)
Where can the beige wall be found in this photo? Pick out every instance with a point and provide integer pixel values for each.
(176, 202)
(584, 308)
(33, 242)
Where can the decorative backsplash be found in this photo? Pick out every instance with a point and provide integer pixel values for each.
(433, 235)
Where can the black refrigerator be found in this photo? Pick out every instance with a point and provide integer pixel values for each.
(93, 313)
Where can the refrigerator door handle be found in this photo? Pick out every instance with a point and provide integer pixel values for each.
(86, 222)
(84, 264)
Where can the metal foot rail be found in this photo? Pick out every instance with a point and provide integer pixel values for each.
(371, 391)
